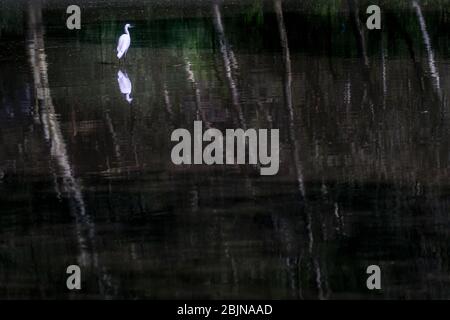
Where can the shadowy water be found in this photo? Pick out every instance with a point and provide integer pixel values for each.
(86, 176)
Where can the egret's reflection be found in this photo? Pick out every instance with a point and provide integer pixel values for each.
(124, 85)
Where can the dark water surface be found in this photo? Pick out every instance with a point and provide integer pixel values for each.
(86, 176)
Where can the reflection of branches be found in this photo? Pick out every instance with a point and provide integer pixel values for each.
(85, 227)
(371, 87)
(288, 93)
(289, 105)
(49, 117)
(392, 18)
(426, 40)
(359, 32)
(427, 82)
(383, 72)
(168, 103)
(229, 62)
(113, 135)
(198, 103)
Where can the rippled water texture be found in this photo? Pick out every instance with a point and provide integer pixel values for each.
(86, 176)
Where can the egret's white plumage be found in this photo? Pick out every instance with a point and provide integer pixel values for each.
(124, 42)
(124, 85)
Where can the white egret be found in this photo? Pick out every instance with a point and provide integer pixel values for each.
(124, 85)
(124, 42)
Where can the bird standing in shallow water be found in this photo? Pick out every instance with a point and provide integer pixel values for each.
(124, 43)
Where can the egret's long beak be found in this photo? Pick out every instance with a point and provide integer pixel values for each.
(131, 26)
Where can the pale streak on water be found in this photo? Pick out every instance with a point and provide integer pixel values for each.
(427, 41)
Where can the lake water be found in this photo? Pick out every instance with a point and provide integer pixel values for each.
(86, 176)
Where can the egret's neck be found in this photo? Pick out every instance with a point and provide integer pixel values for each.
(126, 30)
